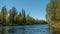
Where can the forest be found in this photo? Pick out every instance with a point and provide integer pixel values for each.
(12, 17)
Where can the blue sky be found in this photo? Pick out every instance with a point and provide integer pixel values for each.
(35, 8)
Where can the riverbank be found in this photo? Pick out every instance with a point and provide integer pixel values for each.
(22, 25)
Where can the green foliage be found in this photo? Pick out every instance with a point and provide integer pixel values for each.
(51, 9)
(12, 18)
(4, 13)
(53, 13)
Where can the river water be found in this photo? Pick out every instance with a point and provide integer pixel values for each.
(27, 29)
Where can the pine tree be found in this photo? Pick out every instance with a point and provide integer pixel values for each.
(4, 13)
(12, 12)
(24, 16)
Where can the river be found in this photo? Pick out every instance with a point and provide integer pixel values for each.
(27, 29)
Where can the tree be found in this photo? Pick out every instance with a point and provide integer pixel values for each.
(1, 18)
(12, 13)
(4, 13)
(51, 10)
(24, 16)
(53, 14)
(30, 20)
(16, 19)
(13, 18)
(7, 19)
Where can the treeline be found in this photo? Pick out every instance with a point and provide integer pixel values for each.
(12, 17)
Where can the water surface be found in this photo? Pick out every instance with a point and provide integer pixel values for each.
(27, 29)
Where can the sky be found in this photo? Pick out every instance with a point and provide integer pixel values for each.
(35, 8)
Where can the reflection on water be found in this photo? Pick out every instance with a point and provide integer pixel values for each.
(28, 29)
